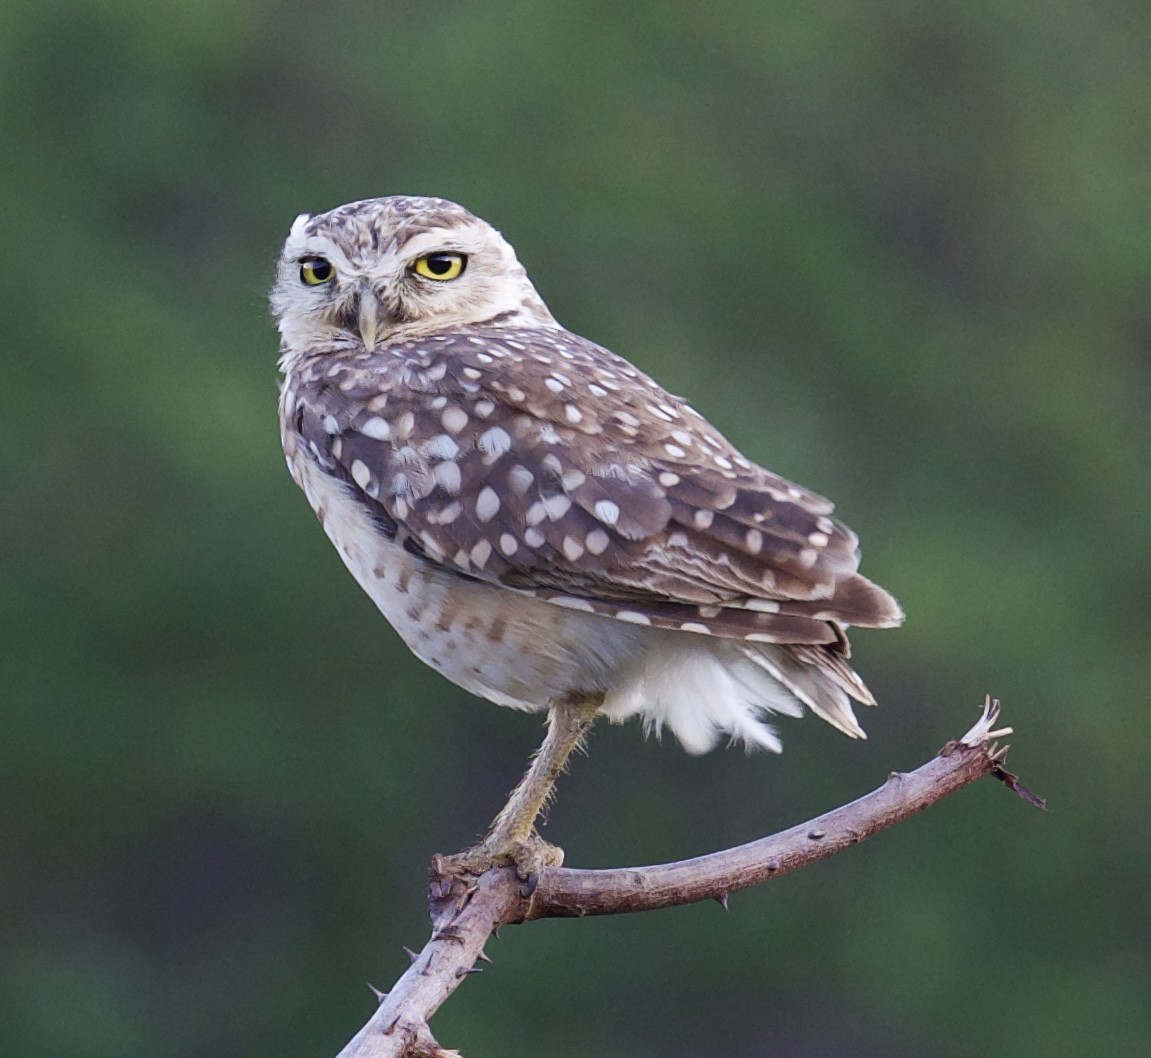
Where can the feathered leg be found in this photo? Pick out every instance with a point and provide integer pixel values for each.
(513, 838)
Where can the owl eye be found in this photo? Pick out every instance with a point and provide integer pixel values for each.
(316, 271)
(440, 266)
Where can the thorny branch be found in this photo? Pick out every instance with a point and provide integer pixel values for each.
(464, 916)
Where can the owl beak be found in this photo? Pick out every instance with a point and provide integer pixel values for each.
(369, 317)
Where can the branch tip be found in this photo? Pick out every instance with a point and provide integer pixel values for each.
(982, 732)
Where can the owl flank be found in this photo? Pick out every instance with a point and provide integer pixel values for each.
(540, 521)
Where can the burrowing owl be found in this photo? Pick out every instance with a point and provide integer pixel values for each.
(539, 520)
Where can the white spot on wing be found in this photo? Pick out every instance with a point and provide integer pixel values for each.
(762, 606)
(607, 511)
(404, 425)
(520, 479)
(597, 541)
(376, 428)
(571, 602)
(361, 475)
(632, 617)
(487, 504)
(442, 447)
(447, 476)
(494, 442)
(454, 419)
(557, 506)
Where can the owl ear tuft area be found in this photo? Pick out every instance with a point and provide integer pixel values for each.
(297, 229)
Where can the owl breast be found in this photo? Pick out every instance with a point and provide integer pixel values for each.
(507, 647)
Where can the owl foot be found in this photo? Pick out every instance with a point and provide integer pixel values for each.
(528, 857)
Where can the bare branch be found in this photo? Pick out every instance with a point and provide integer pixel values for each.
(566, 892)
(464, 915)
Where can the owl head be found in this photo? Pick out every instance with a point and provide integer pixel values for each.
(395, 267)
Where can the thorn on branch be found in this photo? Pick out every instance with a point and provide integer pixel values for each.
(1011, 781)
(380, 996)
(721, 899)
(412, 955)
(463, 971)
(483, 956)
(816, 834)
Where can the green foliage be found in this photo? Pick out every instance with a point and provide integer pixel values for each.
(898, 252)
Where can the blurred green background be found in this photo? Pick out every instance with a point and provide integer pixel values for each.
(899, 253)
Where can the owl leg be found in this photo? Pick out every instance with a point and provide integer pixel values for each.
(513, 838)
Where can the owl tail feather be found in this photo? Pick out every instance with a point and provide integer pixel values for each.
(819, 677)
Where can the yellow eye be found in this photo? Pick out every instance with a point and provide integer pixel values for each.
(440, 266)
(316, 271)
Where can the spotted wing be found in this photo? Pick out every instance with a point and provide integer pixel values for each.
(539, 461)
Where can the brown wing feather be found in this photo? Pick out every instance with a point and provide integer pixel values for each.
(542, 462)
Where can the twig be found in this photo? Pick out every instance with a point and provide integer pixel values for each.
(464, 916)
